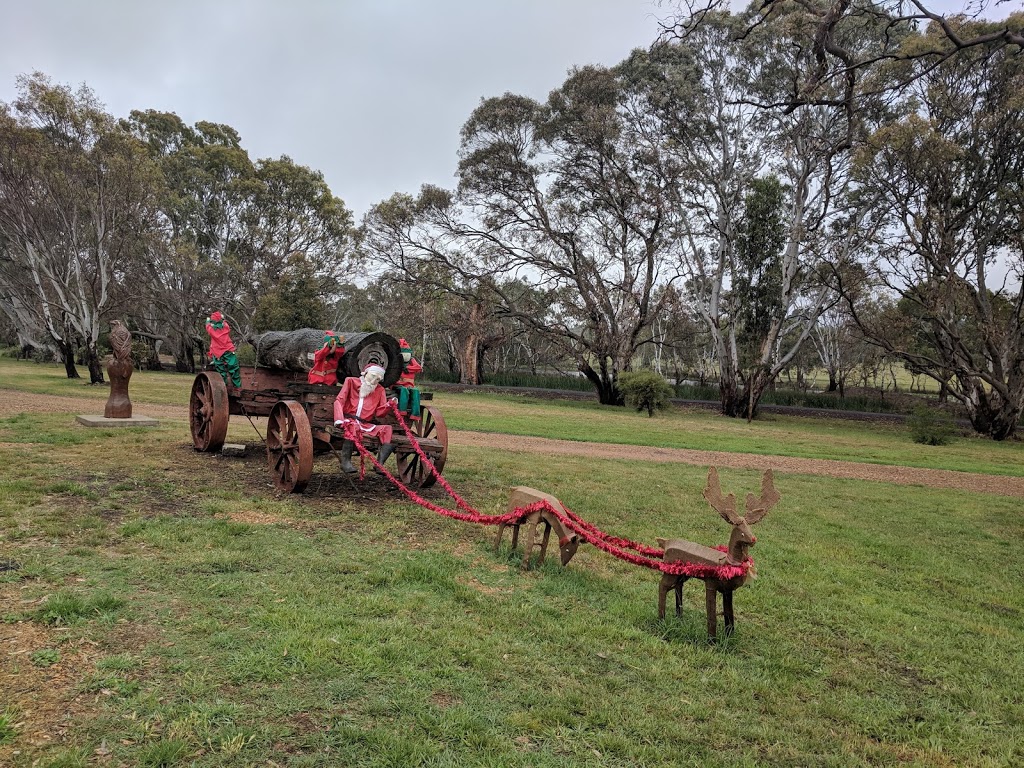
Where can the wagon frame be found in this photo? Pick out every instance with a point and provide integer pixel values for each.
(301, 424)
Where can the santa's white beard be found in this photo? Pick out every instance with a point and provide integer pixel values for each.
(366, 388)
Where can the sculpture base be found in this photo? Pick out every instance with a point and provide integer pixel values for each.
(103, 421)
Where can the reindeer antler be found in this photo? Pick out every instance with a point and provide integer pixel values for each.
(725, 506)
(759, 507)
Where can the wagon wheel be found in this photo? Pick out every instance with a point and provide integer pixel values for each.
(208, 412)
(411, 470)
(289, 446)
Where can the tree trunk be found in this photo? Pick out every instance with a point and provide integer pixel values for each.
(991, 415)
(67, 351)
(92, 358)
(730, 396)
(737, 403)
(833, 383)
(153, 360)
(184, 359)
(604, 382)
(468, 353)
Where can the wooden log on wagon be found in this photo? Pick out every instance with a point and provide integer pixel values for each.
(294, 350)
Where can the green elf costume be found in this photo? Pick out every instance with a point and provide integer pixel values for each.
(222, 349)
(408, 394)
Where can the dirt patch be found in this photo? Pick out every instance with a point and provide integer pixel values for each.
(476, 584)
(935, 478)
(255, 518)
(444, 700)
(47, 700)
(334, 484)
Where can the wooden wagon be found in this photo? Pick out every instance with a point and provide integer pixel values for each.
(301, 415)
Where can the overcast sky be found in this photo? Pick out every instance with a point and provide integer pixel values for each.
(371, 92)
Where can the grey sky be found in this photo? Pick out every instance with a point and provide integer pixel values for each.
(371, 92)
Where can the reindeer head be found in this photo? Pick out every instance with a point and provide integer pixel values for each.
(742, 538)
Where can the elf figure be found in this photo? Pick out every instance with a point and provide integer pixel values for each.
(408, 394)
(361, 402)
(222, 349)
(326, 359)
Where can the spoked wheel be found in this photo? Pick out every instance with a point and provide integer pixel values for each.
(411, 469)
(289, 446)
(208, 412)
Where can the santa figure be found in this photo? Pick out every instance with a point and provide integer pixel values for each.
(408, 394)
(326, 359)
(360, 402)
(222, 349)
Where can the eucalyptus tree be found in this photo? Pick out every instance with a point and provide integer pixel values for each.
(950, 174)
(295, 232)
(838, 71)
(236, 235)
(767, 197)
(191, 267)
(77, 194)
(572, 198)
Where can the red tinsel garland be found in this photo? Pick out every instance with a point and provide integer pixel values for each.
(648, 557)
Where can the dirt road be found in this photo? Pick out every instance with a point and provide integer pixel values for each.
(12, 402)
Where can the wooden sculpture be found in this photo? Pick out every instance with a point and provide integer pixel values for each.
(720, 571)
(568, 541)
(119, 370)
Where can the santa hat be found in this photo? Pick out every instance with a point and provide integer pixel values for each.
(374, 368)
(216, 317)
(403, 344)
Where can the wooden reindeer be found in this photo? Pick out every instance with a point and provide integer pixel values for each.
(724, 571)
(568, 541)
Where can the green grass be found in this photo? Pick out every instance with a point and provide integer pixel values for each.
(775, 434)
(158, 387)
(356, 629)
(772, 434)
(8, 731)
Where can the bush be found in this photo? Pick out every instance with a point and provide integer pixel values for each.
(246, 353)
(645, 390)
(930, 427)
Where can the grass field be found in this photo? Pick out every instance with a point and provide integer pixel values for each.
(868, 442)
(169, 608)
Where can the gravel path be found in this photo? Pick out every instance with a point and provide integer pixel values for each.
(15, 402)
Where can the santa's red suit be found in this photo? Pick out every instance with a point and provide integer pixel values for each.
(349, 406)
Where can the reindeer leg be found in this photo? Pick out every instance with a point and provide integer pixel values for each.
(544, 541)
(663, 587)
(515, 535)
(711, 601)
(531, 532)
(497, 539)
(680, 583)
(727, 611)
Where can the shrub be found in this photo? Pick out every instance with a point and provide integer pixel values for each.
(645, 390)
(930, 427)
(246, 354)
